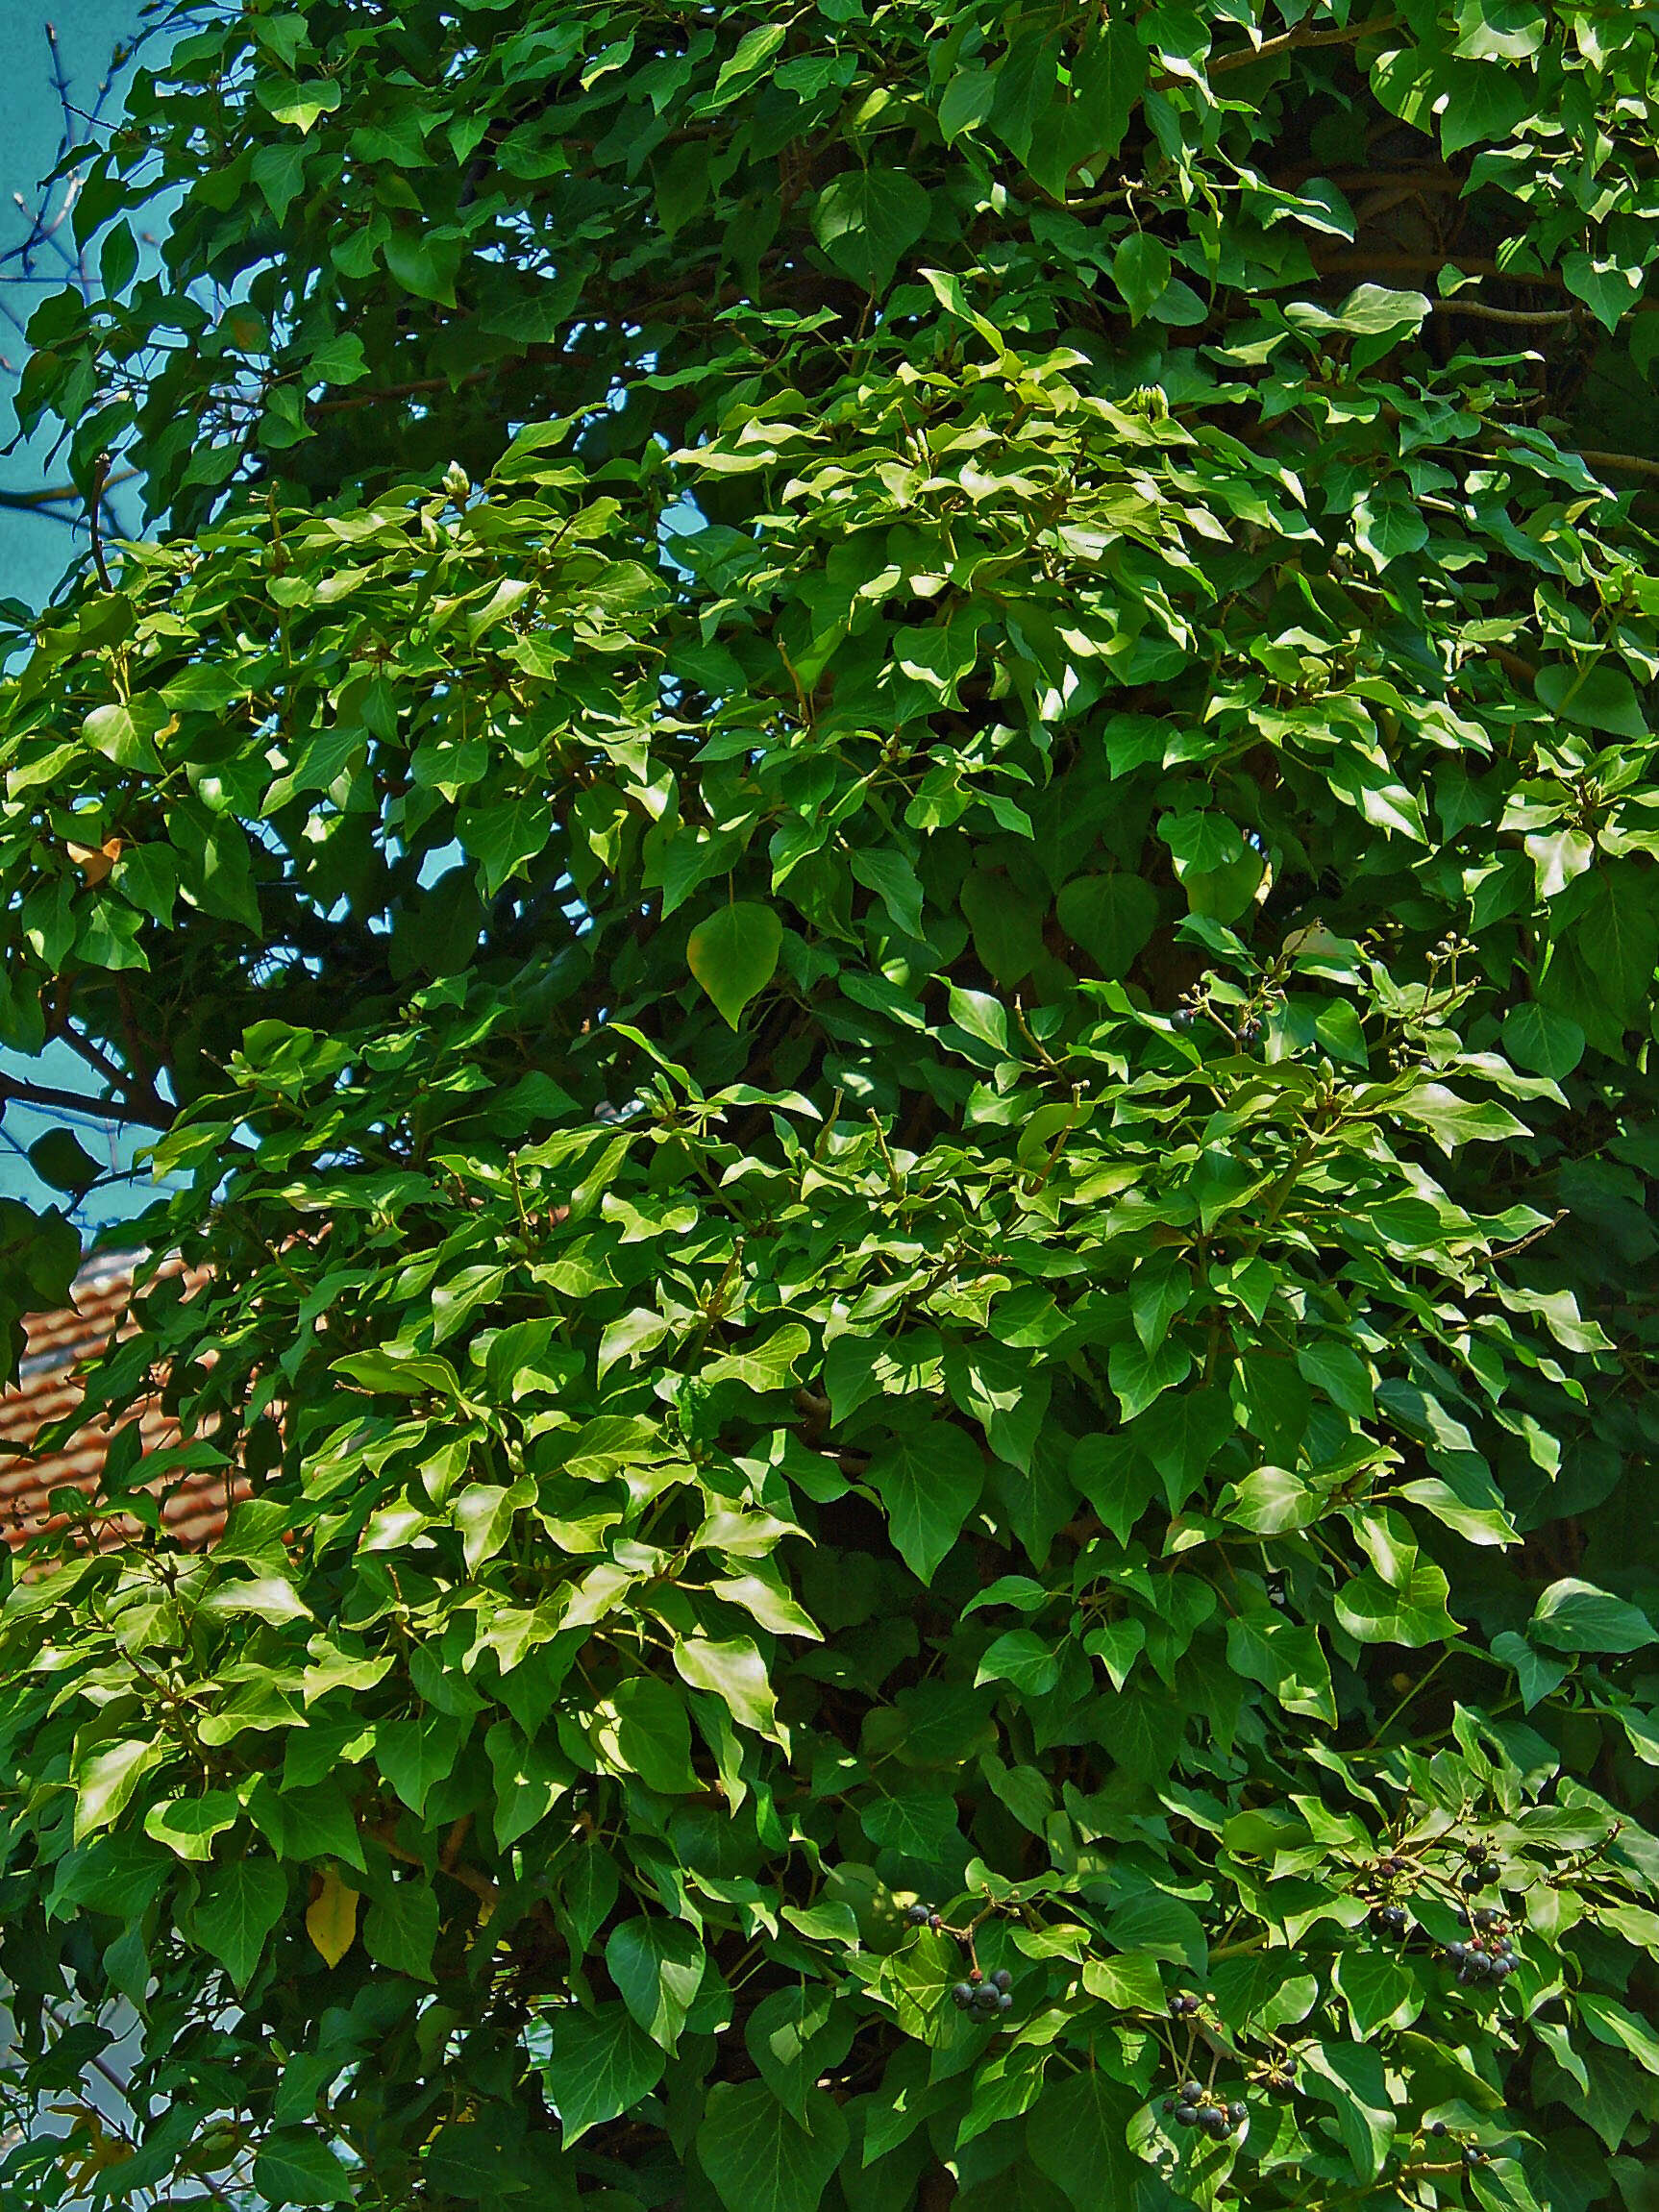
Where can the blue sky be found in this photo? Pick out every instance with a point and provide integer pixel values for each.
(33, 552)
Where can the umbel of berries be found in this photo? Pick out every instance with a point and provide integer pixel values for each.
(1196, 2107)
(986, 2000)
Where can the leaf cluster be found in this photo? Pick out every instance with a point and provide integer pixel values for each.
(875, 842)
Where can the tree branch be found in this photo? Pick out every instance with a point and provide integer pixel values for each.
(100, 478)
(1634, 463)
(1457, 306)
(1287, 41)
(43, 1096)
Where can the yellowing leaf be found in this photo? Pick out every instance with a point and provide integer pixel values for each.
(331, 1918)
(95, 861)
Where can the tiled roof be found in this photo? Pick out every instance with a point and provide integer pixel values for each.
(49, 1386)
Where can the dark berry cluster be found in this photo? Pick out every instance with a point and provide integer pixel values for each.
(1471, 2153)
(981, 1996)
(1380, 1882)
(1196, 2107)
(1186, 2006)
(985, 1999)
(1391, 1919)
(1278, 2074)
(1480, 1875)
(1489, 1955)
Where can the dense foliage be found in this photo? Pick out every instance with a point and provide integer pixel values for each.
(876, 836)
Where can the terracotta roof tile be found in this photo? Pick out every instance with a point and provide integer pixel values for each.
(58, 1347)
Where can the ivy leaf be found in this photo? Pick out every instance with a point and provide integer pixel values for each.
(414, 1755)
(331, 1919)
(656, 1965)
(794, 2036)
(1388, 523)
(755, 50)
(1575, 1616)
(1378, 1990)
(280, 173)
(1537, 1038)
(1076, 2135)
(1610, 289)
(189, 1824)
(296, 2167)
(104, 1784)
(588, 1890)
(1592, 692)
(928, 1480)
(505, 833)
(918, 1826)
(735, 955)
(1112, 916)
(425, 264)
(1536, 1676)
(1140, 270)
(653, 1735)
(1022, 1657)
(1286, 1657)
(401, 1927)
(766, 1366)
(60, 1158)
(1138, 1376)
(1618, 936)
(892, 876)
(760, 2158)
(1614, 2023)
(1350, 2077)
(732, 1670)
(1414, 1615)
(866, 219)
(530, 1780)
(1106, 80)
(599, 2063)
(1127, 1982)
(241, 1905)
(1453, 1122)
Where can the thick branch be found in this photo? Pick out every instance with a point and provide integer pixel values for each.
(1633, 463)
(1457, 306)
(42, 1095)
(1287, 41)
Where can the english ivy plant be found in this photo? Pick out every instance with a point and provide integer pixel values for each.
(875, 836)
